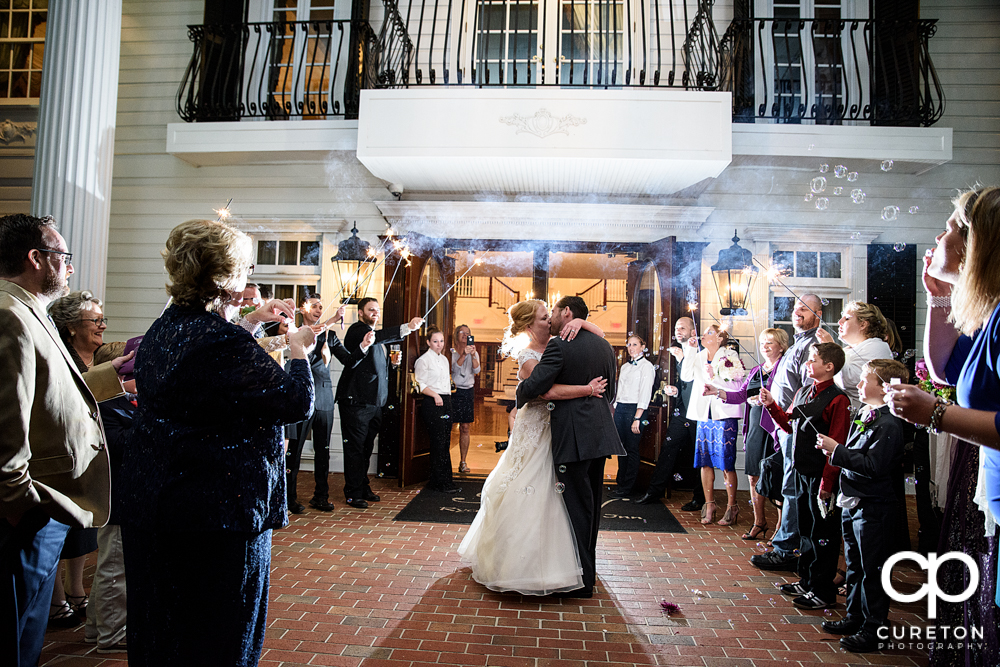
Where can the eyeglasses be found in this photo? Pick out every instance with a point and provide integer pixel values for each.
(67, 255)
(96, 320)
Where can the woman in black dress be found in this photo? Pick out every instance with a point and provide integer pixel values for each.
(203, 472)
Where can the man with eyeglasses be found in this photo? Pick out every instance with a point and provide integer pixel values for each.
(53, 459)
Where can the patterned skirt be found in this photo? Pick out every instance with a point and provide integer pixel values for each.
(715, 444)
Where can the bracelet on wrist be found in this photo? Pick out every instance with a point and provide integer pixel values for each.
(938, 301)
(937, 414)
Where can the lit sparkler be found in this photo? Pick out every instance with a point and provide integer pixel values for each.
(474, 265)
(224, 212)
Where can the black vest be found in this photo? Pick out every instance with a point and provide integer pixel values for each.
(808, 460)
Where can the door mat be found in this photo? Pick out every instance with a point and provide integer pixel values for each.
(617, 514)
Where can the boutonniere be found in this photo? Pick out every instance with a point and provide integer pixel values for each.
(865, 417)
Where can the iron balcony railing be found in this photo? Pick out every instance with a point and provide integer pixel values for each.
(876, 72)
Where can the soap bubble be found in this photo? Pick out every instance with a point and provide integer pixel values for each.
(838, 190)
(823, 168)
(796, 553)
(853, 176)
(840, 171)
(812, 146)
(889, 213)
(858, 196)
(761, 547)
(550, 406)
(560, 487)
(528, 490)
(855, 235)
(899, 247)
(886, 165)
(818, 184)
(808, 197)
(645, 422)
(678, 477)
(822, 543)
(825, 302)
(445, 416)
(562, 468)
(911, 480)
(914, 209)
(822, 203)
(746, 597)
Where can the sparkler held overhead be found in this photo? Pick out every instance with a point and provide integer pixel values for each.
(474, 265)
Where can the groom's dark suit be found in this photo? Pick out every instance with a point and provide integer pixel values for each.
(583, 433)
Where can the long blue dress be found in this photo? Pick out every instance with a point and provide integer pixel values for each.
(202, 486)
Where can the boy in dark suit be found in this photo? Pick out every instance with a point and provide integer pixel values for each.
(821, 408)
(868, 461)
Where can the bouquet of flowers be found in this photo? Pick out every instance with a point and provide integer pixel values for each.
(727, 365)
(925, 382)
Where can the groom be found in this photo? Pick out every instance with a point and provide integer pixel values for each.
(583, 429)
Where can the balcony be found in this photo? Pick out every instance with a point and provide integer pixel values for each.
(418, 90)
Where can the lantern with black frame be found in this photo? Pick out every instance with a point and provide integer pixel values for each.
(353, 265)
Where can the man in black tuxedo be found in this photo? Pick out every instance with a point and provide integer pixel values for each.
(362, 393)
(583, 429)
(321, 421)
(681, 431)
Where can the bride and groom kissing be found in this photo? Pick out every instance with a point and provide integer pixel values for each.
(536, 529)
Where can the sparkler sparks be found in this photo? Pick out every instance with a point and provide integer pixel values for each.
(224, 213)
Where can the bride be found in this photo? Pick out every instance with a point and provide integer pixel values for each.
(521, 539)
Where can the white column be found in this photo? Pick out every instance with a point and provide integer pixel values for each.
(76, 130)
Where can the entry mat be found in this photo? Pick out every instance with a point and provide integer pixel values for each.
(616, 514)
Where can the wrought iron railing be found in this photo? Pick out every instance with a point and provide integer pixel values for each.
(875, 72)
(286, 69)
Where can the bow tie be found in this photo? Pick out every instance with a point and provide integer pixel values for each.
(633, 362)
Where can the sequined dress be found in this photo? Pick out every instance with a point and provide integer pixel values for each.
(521, 539)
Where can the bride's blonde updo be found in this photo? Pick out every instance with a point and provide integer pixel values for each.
(521, 316)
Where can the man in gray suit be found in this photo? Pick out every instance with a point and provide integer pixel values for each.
(583, 429)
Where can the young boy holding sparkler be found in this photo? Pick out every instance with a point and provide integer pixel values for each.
(868, 460)
(821, 408)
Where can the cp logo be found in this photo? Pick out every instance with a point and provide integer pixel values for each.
(930, 590)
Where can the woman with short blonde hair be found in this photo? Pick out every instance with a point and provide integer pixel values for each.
(866, 335)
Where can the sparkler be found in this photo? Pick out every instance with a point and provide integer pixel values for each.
(371, 254)
(474, 265)
(773, 274)
(223, 212)
(404, 256)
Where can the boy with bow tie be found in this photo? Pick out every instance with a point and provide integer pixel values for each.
(868, 460)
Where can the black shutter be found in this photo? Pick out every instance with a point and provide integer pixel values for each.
(892, 286)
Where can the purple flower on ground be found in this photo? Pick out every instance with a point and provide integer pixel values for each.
(669, 607)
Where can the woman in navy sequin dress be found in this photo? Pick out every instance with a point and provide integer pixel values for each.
(203, 479)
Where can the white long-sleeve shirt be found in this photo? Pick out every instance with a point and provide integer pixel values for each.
(433, 370)
(856, 356)
(703, 408)
(635, 383)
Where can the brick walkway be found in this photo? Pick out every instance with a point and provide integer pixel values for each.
(352, 588)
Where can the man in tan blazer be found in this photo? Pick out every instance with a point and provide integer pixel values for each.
(53, 459)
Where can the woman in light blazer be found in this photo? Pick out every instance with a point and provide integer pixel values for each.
(715, 442)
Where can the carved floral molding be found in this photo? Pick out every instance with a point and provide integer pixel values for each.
(543, 123)
(11, 132)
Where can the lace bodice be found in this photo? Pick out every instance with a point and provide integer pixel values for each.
(526, 354)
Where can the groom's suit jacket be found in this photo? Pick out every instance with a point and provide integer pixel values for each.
(582, 428)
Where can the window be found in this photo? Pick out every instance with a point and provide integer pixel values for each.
(22, 45)
(288, 253)
(784, 305)
(807, 264)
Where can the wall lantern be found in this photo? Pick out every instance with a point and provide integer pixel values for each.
(353, 265)
(734, 273)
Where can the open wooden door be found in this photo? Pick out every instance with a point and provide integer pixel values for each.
(428, 277)
(649, 290)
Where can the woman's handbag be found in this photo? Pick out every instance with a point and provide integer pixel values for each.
(771, 473)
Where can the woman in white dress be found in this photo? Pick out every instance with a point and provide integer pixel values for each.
(521, 539)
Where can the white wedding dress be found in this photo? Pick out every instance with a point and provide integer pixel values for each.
(521, 539)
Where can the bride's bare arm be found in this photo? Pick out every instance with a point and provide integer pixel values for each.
(571, 328)
(560, 392)
(526, 368)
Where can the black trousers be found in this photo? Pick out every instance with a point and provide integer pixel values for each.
(628, 465)
(359, 425)
(437, 420)
(584, 488)
(868, 532)
(321, 423)
(678, 443)
(819, 539)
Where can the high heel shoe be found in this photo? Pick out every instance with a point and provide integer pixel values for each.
(706, 516)
(755, 531)
(731, 517)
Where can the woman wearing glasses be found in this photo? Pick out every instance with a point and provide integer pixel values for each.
(79, 318)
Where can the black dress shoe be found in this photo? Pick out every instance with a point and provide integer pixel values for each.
(692, 506)
(578, 593)
(647, 500)
(371, 497)
(450, 489)
(360, 503)
(620, 494)
(295, 507)
(321, 504)
(861, 642)
(845, 626)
